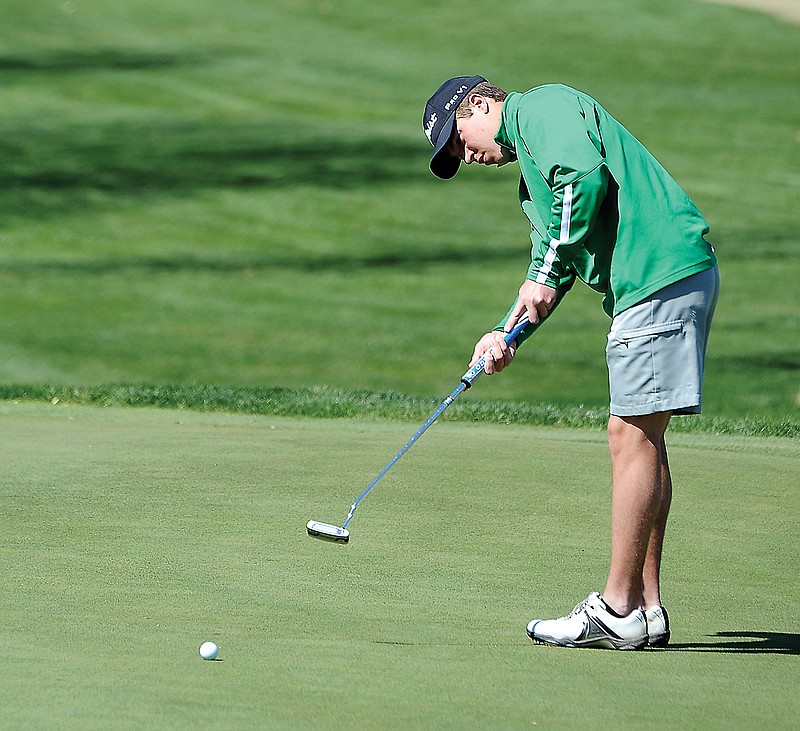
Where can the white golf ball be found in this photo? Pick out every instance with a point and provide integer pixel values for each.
(209, 651)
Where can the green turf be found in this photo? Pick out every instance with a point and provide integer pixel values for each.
(327, 402)
(132, 535)
(237, 193)
(226, 206)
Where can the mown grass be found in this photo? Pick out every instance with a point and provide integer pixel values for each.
(132, 535)
(225, 207)
(326, 402)
(237, 194)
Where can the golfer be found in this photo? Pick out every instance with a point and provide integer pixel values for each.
(602, 210)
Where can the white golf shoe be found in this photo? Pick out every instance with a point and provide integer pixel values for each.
(591, 624)
(657, 626)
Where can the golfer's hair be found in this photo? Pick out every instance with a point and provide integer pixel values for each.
(485, 88)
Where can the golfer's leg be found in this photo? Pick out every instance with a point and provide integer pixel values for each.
(636, 464)
(651, 574)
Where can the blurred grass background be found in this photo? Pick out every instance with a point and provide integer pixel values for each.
(237, 193)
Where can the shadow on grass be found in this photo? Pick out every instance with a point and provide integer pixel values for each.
(234, 265)
(100, 59)
(50, 168)
(755, 643)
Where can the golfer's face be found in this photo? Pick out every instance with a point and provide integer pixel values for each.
(473, 141)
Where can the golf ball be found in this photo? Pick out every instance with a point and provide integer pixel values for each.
(209, 651)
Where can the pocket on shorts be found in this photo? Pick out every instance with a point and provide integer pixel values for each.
(651, 368)
(633, 336)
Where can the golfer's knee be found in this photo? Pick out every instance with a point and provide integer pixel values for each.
(626, 433)
(618, 436)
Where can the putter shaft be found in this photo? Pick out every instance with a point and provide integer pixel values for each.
(466, 381)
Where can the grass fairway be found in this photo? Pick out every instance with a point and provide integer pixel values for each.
(197, 192)
(131, 535)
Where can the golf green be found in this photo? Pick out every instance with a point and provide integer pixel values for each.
(131, 535)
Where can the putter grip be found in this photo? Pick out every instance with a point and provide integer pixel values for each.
(477, 369)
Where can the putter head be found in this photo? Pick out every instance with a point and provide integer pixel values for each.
(327, 532)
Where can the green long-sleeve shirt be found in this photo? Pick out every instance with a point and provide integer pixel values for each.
(601, 207)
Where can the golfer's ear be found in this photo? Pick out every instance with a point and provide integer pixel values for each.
(479, 102)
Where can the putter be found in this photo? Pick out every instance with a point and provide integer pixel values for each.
(335, 534)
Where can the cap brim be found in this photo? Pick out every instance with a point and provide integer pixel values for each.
(443, 165)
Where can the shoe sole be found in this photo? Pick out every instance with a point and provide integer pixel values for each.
(599, 644)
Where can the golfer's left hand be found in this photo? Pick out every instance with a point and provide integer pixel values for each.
(497, 352)
(535, 299)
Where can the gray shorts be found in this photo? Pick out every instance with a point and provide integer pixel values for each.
(656, 349)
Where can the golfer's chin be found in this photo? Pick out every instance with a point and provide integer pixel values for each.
(506, 156)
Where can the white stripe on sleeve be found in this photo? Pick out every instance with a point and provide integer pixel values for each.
(563, 236)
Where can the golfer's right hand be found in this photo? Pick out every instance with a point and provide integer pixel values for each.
(497, 352)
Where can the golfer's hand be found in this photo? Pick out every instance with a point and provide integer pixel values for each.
(535, 299)
(496, 350)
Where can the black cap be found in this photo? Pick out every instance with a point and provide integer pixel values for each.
(439, 120)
